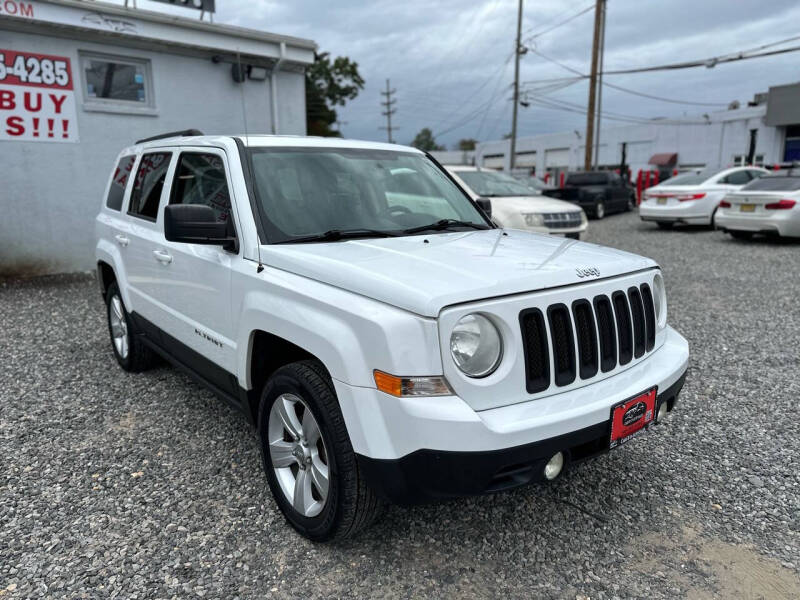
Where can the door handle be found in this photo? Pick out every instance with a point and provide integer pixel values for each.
(122, 240)
(162, 256)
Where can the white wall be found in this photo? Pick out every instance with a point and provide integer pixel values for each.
(50, 192)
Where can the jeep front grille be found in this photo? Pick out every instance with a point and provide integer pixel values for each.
(596, 335)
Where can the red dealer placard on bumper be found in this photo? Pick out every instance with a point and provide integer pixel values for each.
(37, 98)
(631, 417)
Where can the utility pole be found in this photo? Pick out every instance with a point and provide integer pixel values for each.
(389, 111)
(598, 15)
(513, 149)
(600, 86)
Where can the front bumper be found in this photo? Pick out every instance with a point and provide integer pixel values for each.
(780, 222)
(384, 429)
(429, 475)
(692, 212)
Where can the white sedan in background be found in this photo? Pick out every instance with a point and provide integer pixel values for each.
(517, 206)
(770, 205)
(693, 198)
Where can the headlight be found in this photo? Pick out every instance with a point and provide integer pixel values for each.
(660, 300)
(475, 345)
(533, 219)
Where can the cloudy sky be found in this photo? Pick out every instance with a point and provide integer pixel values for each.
(451, 60)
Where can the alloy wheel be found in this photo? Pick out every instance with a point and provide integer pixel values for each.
(298, 455)
(600, 210)
(119, 327)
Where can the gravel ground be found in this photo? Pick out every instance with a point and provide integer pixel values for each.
(146, 486)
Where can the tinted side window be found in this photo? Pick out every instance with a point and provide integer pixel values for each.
(200, 179)
(117, 190)
(737, 178)
(756, 174)
(148, 184)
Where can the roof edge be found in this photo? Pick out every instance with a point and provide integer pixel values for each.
(178, 21)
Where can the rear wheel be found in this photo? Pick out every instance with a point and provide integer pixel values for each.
(310, 464)
(129, 350)
(742, 235)
(665, 224)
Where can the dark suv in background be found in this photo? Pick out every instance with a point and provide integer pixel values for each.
(596, 192)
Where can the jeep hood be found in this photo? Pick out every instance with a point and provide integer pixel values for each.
(425, 273)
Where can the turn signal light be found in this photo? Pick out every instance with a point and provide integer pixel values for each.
(781, 205)
(724, 204)
(411, 386)
(687, 197)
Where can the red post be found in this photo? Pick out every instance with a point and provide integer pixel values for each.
(656, 175)
(674, 172)
(546, 177)
(561, 179)
(639, 187)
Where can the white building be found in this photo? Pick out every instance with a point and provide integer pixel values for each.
(81, 80)
(771, 123)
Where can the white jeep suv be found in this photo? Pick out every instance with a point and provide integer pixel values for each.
(388, 342)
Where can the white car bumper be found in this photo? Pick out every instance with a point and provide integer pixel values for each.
(782, 222)
(691, 212)
(394, 436)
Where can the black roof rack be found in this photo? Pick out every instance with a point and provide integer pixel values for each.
(183, 133)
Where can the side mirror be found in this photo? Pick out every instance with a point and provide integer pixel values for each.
(485, 205)
(196, 224)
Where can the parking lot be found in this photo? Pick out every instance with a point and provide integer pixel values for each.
(146, 486)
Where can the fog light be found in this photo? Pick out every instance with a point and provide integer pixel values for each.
(553, 467)
(662, 411)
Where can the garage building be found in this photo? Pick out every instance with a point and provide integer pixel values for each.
(81, 80)
(765, 130)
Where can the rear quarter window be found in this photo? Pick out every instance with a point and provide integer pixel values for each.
(116, 191)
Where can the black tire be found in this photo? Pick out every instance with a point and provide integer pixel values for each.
(713, 223)
(139, 357)
(631, 204)
(599, 210)
(351, 506)
(665, 224)
(742, 235)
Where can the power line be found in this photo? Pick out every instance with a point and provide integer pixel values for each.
(623, 89)
(575, 108)
(557, 25)
(389, 111)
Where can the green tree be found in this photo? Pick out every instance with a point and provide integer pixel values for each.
(329, 83)
(425, 141)
(466, 144)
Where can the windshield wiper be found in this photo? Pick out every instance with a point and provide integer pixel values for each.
(334, 235)
(444, 224)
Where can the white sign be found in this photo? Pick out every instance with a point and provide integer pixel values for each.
(37, 98)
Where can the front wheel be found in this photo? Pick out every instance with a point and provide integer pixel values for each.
(129, 350)
(310, 464)
(599, 210)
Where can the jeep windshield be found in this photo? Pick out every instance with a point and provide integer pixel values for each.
(333, 194)
(492, 183)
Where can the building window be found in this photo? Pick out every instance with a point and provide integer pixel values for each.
(116, 82)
